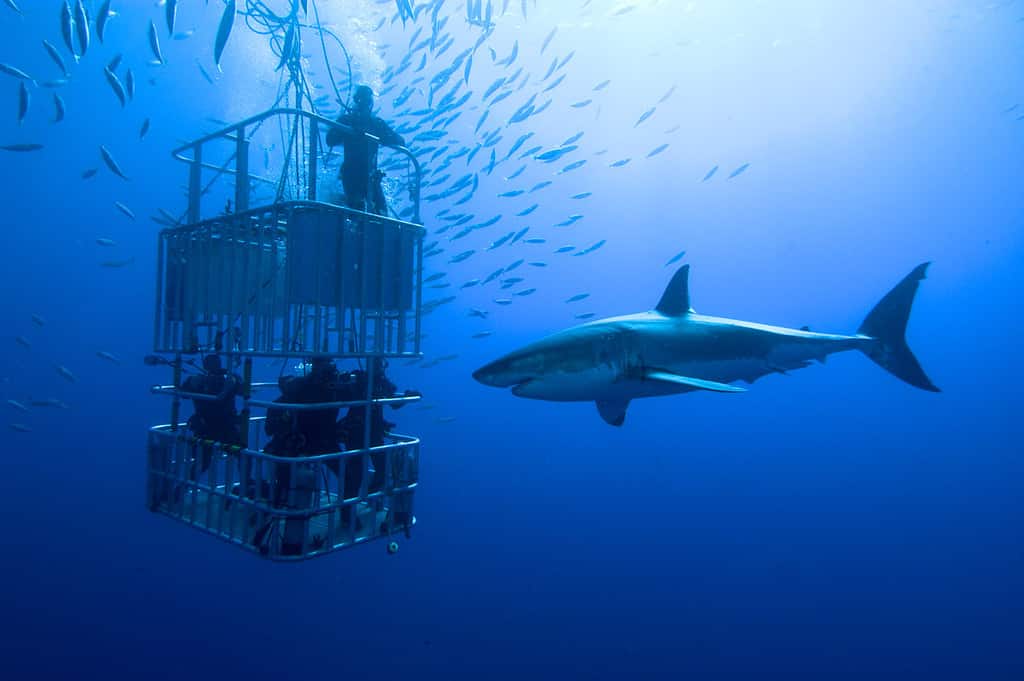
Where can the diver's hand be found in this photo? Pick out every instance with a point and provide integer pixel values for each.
(407, 393)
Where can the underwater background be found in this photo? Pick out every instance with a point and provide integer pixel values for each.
(833, 523)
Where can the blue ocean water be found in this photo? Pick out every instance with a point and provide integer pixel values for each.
(831, 523)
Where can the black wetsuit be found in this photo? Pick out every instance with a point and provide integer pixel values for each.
(216, 419)
(359, 175)
(352, 427)
(311, 432)
(304, 433)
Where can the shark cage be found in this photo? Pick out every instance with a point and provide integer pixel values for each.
(267, 268)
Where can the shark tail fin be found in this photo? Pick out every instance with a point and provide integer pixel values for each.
(887, 325)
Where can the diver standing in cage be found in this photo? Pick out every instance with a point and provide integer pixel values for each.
(359, 174)
(214, 420)
(214, 423)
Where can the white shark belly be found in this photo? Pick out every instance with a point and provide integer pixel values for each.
(566, 386)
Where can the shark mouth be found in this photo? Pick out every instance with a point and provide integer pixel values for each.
(518, 388)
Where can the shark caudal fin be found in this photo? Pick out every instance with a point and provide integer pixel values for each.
(887, 324)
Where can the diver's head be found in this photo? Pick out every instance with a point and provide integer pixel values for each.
(322, 368)
(212, 365)
(363, 100)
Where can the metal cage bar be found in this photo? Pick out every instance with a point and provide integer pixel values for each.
(284, 508)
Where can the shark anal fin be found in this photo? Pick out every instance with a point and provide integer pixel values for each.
(697, 383)
(613, 411)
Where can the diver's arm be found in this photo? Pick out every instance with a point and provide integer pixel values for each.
(335, 136)
(229, 390)
(388, 136)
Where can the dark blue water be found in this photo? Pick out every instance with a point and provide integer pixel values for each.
(834, 523)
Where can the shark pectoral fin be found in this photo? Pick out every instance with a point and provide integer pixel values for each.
(698, 383)
(613, 411)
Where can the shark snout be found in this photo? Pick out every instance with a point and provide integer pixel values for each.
(484, 375)
(488, 375)
(500, 374)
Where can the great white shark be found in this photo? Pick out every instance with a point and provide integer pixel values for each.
(672, 349)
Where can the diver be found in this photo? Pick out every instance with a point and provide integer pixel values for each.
(214, 422)
(352, 431)
(302, 433)
(214, 419)
(359, 174)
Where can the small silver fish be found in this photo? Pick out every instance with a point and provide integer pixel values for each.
(58, 105)
(66, 374)
(111, 163)
(204, 73)
(675, 258)
(81, 28)
(643, 117)
(21, 147)
(115, 85)
(55, 56)
(227, 20)
(23, 102)
(67, 28)
(38, 320)
(20, 427)
(102, 241)
(578, 297)
(657, 150)
(102, 18)
(17, 405)
(738, 171)
(154, 44)
(124, 209)
(171, 13)
(108, 356)
(23, 342)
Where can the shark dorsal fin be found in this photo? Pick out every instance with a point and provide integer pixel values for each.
(675, 301)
